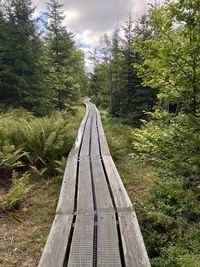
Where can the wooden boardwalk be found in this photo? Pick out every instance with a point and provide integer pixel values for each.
(95, 223)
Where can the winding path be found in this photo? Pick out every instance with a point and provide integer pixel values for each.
(95, 223)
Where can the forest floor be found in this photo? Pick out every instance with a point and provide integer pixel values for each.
(24, 232)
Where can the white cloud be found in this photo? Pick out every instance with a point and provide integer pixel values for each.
(90, 19)
(71, 16)
(87, 38)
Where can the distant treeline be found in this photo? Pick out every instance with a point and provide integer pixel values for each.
(152, 61)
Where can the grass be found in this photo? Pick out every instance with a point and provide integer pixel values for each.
(138, 177)
(24, 232)
(24, 228)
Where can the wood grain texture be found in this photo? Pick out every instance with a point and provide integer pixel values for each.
(119, 192)
(133, 245)
(86, 137)
(102, 194)
(102, 138)
(94, 135)
(55, 248)
(67, 194)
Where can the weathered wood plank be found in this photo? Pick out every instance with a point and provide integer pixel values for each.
(85, 197)
(133, 245)
(102, 138)
(76, 147)
(103, 198)
(94, 135)
(108, 253)
(81, 253)
(55, 248)
(67, 194)
(119, 192)
(86, 138)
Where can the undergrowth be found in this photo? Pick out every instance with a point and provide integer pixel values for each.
(33, 155)
(167, 204)
(32, 148)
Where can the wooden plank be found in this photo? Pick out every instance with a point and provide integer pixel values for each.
(75, 149)
(133, 245)
(81, 253)
(103, 199)
(86, 137)
(107, 241)
(120, 195)
(55, 248)
(102, 138)
(94, 135)
(67, 194)
(85, 197)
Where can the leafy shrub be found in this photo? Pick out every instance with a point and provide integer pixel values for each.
(170, 142)
(172, 216)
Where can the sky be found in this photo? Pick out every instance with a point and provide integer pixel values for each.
(90, 19)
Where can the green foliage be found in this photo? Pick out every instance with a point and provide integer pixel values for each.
(10, 158)
(16, 194)
(170, 142)
(38, 142)
(172, 216)
(22, 72)
(66, 67)
(167, 206)
(37, 71)
(171, 60)
(118, 135)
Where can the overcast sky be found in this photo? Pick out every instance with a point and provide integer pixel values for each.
(90, 19)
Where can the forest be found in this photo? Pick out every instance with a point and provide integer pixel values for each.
(145, 82)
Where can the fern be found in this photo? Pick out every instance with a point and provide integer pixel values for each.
(11, 158)
(38, 142)
(17, 193)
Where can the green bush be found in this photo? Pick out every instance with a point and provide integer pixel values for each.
(170, 222)
(170, 142)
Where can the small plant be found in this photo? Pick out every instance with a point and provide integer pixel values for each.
(10, 158)
(16, 194)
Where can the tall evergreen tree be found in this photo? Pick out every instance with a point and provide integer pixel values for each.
(116, 82)
(66, 63)
(136, 97)
(22, 72)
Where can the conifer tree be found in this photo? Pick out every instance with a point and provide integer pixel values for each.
(116, 85)
(66, 63)
(136, 97)
(22, 72)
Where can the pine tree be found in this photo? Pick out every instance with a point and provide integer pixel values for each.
(22, 72)
(66, 68)
(116, 85)
(136, 98)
